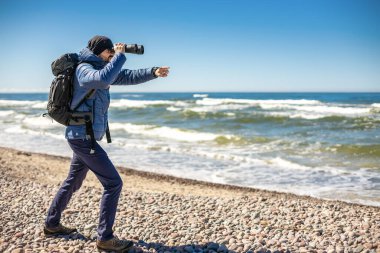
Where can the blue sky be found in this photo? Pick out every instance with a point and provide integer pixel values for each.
(236, 45)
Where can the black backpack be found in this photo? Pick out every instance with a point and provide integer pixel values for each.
(61, 94)
(61, 89)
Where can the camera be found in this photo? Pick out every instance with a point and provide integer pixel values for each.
(134, 49)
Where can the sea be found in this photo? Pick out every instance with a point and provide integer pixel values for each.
(325, 145)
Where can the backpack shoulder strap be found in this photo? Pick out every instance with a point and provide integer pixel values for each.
(92, 92)
(84, 99)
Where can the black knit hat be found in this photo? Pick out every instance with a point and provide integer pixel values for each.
(99, 43)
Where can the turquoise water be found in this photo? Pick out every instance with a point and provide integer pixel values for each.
(325, 145)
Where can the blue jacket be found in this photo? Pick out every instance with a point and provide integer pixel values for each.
(98, 74)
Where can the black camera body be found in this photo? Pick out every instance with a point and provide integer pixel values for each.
(134, 49)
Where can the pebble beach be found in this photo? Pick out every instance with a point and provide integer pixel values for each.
(167, 214)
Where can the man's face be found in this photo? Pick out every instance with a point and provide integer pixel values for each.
(107, 55)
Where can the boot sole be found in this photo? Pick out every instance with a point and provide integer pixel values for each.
(52, 234)
(124, 250)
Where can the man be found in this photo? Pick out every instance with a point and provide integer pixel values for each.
(101, 67)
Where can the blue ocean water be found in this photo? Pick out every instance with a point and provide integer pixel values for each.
(325, 145)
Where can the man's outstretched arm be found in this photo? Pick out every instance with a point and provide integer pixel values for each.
(131, 77)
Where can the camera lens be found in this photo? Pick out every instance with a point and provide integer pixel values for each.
(134, 49)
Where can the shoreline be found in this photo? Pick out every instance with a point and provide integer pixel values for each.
(240, 190)
(161, 213)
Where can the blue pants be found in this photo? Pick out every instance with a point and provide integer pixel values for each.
(100, 164)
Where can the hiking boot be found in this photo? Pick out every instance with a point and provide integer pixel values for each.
(59, 230)
(114, 244)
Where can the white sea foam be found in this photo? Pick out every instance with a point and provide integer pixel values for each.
(20, 116)
(138, 103)
(40, 105)
(219, 101)
(20, 130)
(17, 103)
(39, 122)
(132, 95)
(6, 113)
(282, 163)
(173, 109)
(294, 115)
(271, 164)
(223, 156)
(200, 95)
(216, 108)
(302, 108)
(24, 103)
(277, 163)
(178, 106)
(323, 109)
(167, 132)
(376, 105)
(310, 116)
(181, 103)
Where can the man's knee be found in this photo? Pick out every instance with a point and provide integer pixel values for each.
(78, 180)
(114, 185)
(120, 183)
(77, 186)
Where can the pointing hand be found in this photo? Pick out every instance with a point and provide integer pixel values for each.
(162, 71)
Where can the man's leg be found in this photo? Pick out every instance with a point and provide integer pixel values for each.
(73, 182)
(101, 165)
